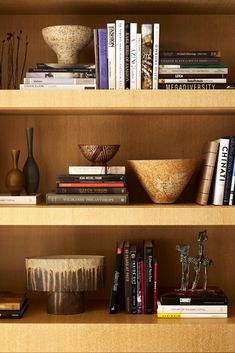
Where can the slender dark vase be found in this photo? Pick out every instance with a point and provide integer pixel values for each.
(15, 180)
(30, 170)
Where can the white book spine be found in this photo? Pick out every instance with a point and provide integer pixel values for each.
(232, 186)
(156, 34)
(138, 79)
(133, 55)
(55, 86)
(120, 54)
(111, 50)
(61, 81)
(191, 80)
(220, 172)
(94, 170)
(20, 200)
(193, 309)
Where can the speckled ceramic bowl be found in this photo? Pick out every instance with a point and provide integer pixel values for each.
(164, 180)
(99, 154)
(67, 41)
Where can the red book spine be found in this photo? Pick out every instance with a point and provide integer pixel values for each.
(91, 185)
(142, 285)
(155, 288)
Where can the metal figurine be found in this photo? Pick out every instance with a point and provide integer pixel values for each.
(198, 263)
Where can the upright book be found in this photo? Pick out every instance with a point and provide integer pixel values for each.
(148, 277)
(103, 62)
(127, 276)
(111, 45)
(147, 56)
(229, 171)
(156, 34)
(114, 304)
(120, 54)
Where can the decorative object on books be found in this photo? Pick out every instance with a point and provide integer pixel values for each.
(164, 180)
(198, 263)
(15, 180)
(66, 278)
(30, 170)
(14, 51)
(67, 41)
(98, 154)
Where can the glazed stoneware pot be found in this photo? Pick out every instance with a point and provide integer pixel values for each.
(15, 180)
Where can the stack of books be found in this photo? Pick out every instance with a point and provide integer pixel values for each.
(212, 303)
(12, 305)
(217, 177)
(91, 186)
(192, 70)
(126, 59)
(77, 76)
(138, 271)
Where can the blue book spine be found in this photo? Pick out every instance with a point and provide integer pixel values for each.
(229, 171)
(231, 198)
(103, 58)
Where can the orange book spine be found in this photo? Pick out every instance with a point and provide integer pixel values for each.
(91, 185)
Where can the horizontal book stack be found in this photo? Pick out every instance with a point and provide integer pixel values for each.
(12, 305)
(134, 279)
(192, 70)
(217, 177)
(212, 303)
(126, 58)
(46, 76)
(91, 186)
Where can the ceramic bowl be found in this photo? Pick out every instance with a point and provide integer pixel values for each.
(67, 41)
(164, 180)
(99, 154)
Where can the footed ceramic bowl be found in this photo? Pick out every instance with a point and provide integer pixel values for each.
(99, 154)
(65, 278)
(164, 180)
(67, 41)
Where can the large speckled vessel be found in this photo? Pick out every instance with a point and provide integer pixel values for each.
(66, 278)
(67, 41)
(164, 180)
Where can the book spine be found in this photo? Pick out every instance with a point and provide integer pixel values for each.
(20, 200)
(193, 86)
(89, 199)
(155, 288)
(90, 178)
(147, 56)
(193, 80)
(191, 76)
(156, 34)
(193, 309)
(193, 66)
(139, 294)
(133, 279)
(111, 41)
(127, 56)
(142, 285)
(61, 75)
(54, 86)
(190, 54)
(97, 184)
(133, 55)
(229, 170)
(120, 54)
(90, 191)
(209, 157)
(114, 303)
(97, 170)
(103, 63)
(220, 173)
(231, 196)
(138, 61)
(148, 279)
(67, 81)
(193, 71)
(188, 61)
(96, 53)
(127, 277)
(195, 316)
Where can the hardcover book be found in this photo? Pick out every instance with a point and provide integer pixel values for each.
(133, 55)
(103, 61)
(93, 170)
(120, 54)
(7, 199)
(156, 34)
(114, 304)
(231, 197)
(147, 56)
(127, 56)
(111, 43)
(86, 199)
(138, 61)
(11, 300)
(127, 277)
(229, 171)
(133, 278)
(148, 277)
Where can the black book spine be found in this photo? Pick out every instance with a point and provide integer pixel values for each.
(127, 276)
(148, 278)
(133, 279)
(196, 60)
(116, 282)
(88, 178)
(139, 292)
(64, 190)
(191, 76)
(229, 170)
(194, 301)
(127, 56)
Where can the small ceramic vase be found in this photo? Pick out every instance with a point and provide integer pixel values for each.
(15, 180)
(30, 170)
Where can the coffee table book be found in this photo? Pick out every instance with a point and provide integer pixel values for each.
(7, 199)
(11, 300)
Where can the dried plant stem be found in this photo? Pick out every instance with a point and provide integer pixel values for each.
(25, 58)
(1, 63)
(17, 60)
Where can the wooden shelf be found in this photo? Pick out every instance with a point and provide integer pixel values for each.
(105, 101)
(120, 6)
(135, 215)
(98, 331)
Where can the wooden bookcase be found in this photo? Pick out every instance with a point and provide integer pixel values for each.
(148, 125)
